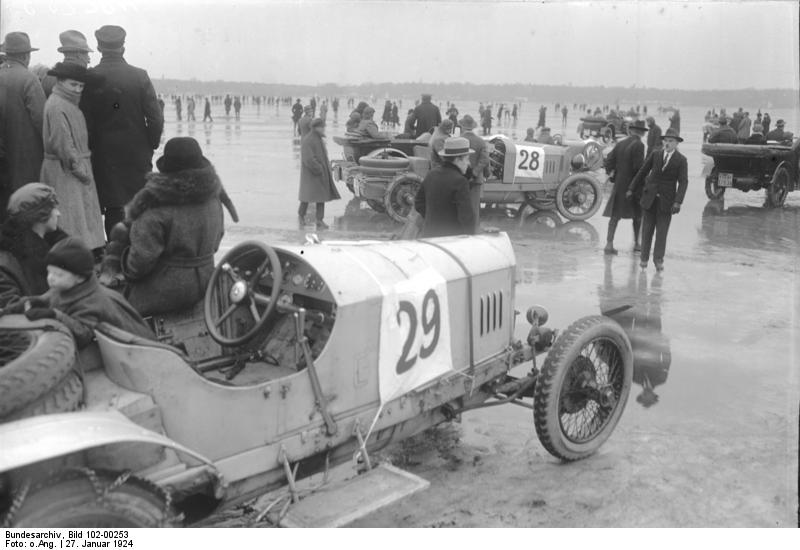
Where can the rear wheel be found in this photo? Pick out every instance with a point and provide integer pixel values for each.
(583, 388)
(400, 196)
(778, 187)
(713, 190)
(578, 197)
(93, 498)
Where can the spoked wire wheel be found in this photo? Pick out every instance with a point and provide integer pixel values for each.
(578, 197)
(778, 187)
(583, 388)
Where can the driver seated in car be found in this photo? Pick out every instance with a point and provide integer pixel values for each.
(76, 299)
(778, 134)
(545, 137)
(367, 127)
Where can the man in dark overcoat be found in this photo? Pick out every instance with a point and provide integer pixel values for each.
(21, 115)
(622, 164)
(724, 134)
(443, 199)
(478, 161)
(653, 136)
(426, 116)
(316, 180)
(125, 123)
(664, 178)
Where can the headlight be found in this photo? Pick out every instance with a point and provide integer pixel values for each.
(537, 314)
(578, 161)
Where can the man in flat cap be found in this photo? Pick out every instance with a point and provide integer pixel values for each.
(22, 110)
(75, 50)
(125, 123)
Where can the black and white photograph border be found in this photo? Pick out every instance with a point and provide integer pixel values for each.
(707, 432)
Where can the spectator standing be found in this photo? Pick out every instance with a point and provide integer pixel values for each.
(486, 122)
(744, 128)
(765, 122)
(622, 164)
(443, 199)
(178, 108)
(323, 111)
(207, 111)
(190, 108)
(316, 180)
(675, 121)
(297, 112)
(564, 112)
(479, 164)
(304, 125)
(67, 165)
(664, 178)
(436, 143)
(227, 104)
(21, 110)
(653, 136)
(125, 125)
(427, 116)
(237, 107)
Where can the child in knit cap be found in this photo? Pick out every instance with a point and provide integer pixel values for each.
(77, 300)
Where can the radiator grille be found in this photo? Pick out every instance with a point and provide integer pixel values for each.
(491, 312)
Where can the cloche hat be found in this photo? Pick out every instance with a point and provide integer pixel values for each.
(182, 153)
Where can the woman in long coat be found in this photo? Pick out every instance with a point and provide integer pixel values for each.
(316, 180)
(67, 162)
(176, 225)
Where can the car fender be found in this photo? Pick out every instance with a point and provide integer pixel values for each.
(39, 438)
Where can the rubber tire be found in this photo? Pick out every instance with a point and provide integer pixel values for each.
(69, 500)
(775, 199)
(713, 191)
(387, 202)
(48, 359)
(548, 386)
(66, 396)
(394, 164)
(562, 209)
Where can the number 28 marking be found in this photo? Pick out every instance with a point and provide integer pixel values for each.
(530, 161)
(431, 322)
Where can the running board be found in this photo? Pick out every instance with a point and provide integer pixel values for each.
(344, 502)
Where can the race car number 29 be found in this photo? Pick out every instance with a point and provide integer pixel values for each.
(415, 334)
(430, 324)
(529, 161)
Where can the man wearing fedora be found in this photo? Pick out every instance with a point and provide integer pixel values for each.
(76, 52)
(778, 134)
(443, 199)
(478, 161)
(664, 176)
(622, 164)
(22, 109)
(125, 123)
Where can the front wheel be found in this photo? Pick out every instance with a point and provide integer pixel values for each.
(93, 498)
(713, 190)
(400, 196)
(578, 197)
(583, 388)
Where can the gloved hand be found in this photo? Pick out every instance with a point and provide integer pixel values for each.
(629, 194)
(36, 313)
(676, 207)
(36, 301)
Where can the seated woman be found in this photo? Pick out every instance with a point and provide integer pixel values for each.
(29, 231)
(165, 247)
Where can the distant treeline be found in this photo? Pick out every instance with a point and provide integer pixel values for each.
(593, 95)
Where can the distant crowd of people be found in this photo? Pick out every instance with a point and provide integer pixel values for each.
(740, 128)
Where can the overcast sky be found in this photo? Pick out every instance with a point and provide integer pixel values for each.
(666, 44)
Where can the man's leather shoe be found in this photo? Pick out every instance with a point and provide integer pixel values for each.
(643, 265)
(609, 249)
(637, 247)
(659, 265)
(321, 225)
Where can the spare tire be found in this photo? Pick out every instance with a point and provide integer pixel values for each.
(66, 396)
(393, 163)
(32, 362)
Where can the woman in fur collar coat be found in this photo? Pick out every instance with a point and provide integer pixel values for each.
(176, 225)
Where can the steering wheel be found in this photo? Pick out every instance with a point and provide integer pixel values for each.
(240, 292)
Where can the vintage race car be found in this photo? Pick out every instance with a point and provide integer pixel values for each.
(561, 176)
(300, 358)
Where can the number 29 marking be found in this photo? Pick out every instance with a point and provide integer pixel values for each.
(431, 323)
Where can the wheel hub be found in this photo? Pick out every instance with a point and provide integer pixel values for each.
(580, 387)
(238, 292)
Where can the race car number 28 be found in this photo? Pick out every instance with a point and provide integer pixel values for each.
(428, 321)
(528, 163)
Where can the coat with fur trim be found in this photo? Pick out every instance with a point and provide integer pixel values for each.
(176, 225)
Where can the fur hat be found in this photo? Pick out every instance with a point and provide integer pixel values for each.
(32, 203)
(69, 70)
(73, 41)
(73, 255)
(182, 153)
